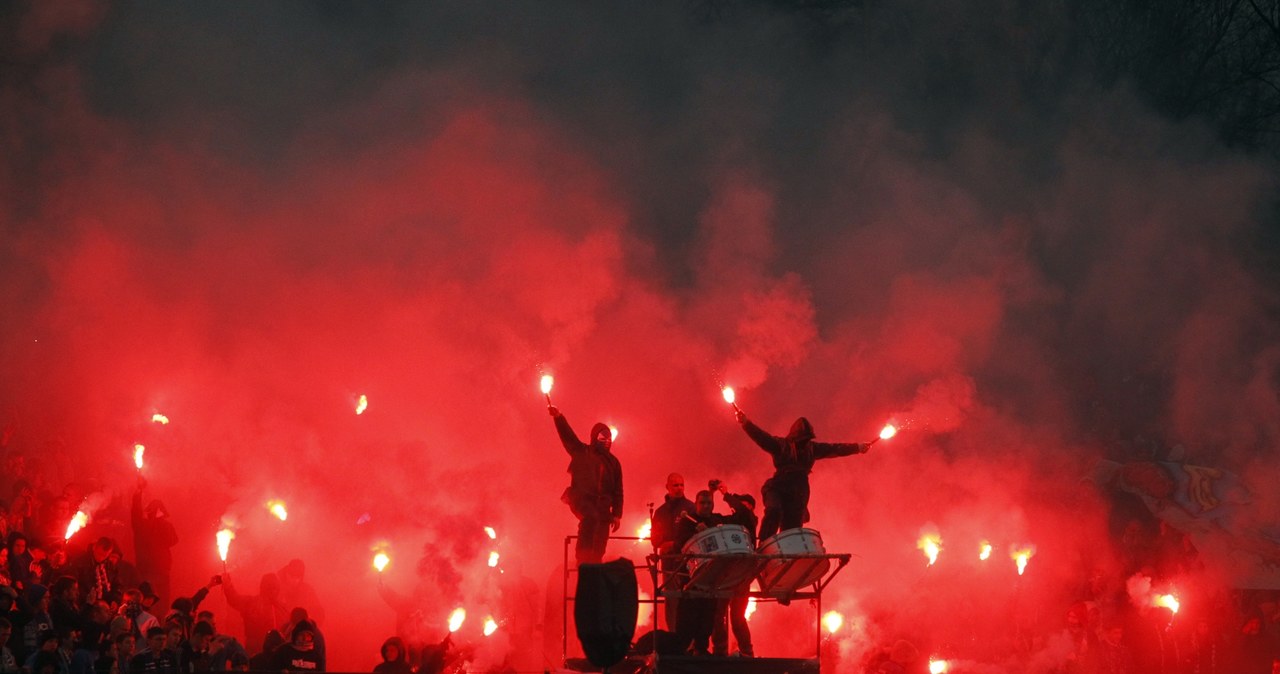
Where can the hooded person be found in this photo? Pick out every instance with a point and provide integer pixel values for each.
(300, 653)
(786, 494)
(393, 658)
(153, 539)
(595, 487)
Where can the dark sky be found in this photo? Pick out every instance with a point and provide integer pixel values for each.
(245, 215)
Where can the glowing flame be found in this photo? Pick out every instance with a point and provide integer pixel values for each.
(491, 533)
(931, 544)
(224, 537)
(380, 561)
(77, 523)
(1168, 601)
(645, 529)
(1021, 557)
(937, 666)
(888, 431)
(729, 397)
(613, 433)
(277, 508)
(984, 551)
(547, 382)
(455, 619)
(751, 608)
(362, 404)
(159, 418)
(493, 559)
(490, 626)
(137, 455)
(832, 621)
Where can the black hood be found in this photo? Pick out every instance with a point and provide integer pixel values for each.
(801, 430)
(598, 429)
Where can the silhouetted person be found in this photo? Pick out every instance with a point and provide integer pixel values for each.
(786, 494)
(262, 612)
(663, 536)
(595, 487)
(153, 540)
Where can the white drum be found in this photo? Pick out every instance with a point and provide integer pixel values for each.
(727, 541)
(789, 575)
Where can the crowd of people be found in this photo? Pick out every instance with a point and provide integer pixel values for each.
(98, 610)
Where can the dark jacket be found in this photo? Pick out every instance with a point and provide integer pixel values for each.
(153, 538)
(741, 515)
(796, 453)
(595, 474)
(664, 519)
(398, 665)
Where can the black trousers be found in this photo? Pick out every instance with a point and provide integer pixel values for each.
(786, 502)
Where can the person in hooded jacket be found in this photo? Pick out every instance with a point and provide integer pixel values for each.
(595, 487)
(300, 653)
(393, 658)
(786, 494)
(153, 540)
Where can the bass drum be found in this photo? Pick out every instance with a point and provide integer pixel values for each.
(784, 576)
(728, 569)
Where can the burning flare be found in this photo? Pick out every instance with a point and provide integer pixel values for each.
(224, 537)
(547, 382)
(984, 551)
(491, 533)
(937, 666)
(493, 559)
(1168, 601)
(362, 404)
(276, 507)
(77, 523)
(888, 431)
(380, 561)
(456, 618)
(729, 397)
(613, 433)
(751, 608)
(645, 530)
(159, 418)
(931, 544)
(1021, 556)
(138, 450)
(833, 621)
(490, 626)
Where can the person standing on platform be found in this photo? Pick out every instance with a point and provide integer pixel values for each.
(732, 612)
(674, 504)
(786, 494)
(595, 487)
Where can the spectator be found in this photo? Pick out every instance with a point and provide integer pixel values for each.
(153, 659)
(296, 591)
(140, 622)
(300, 654)
(8, 663)
(394, 660)
(19, 560)
(262, 612)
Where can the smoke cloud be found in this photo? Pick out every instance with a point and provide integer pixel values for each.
(254, 216)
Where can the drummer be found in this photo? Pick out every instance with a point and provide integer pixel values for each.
(695, 620)
(732, 612)
(786, 494)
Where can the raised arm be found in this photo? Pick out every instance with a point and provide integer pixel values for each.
(766, 442)
(567, 437)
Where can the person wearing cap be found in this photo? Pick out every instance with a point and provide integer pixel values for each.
(300, 653)
(594, 495)
(786, 494)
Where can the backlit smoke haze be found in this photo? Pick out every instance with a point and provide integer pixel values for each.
(245, 217)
